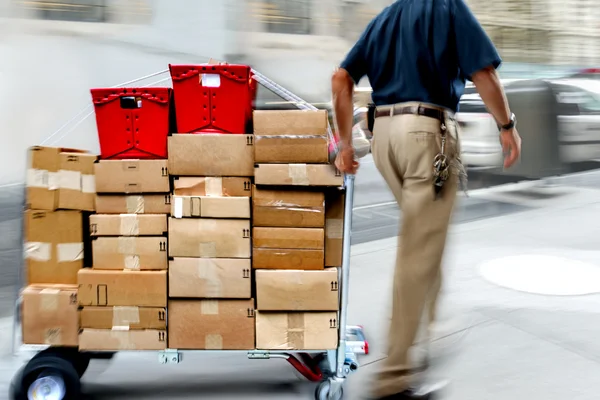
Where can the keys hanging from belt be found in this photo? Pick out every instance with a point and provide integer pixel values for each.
(441, 166)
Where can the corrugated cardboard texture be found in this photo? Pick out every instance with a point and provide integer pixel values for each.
(288, 208)
(297, 331)
(220, 278)
(211, 324)
(132, 176)
(289, 238)
(124, 318)
(110, 340)
(122, 288)
(290, 290)
(211, 155)
(133, 204)
(53, 246)
(77, 183)
(290, 122)
(128, 225)
(288, 259)
(291, 149)
(212, 186)
(50, 315)
(334, 227)
(297, 175)
(209, 238)
(130, 253)
(210, 207)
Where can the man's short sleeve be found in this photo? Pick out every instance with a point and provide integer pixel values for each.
(355, 62)
(475, 49)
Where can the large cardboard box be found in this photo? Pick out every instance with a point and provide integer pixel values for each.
(132, 176)
(290, 122)
(220, 278)
(297, 331)
(122, 288)
(209, 238)
(288, 208)
(53, 246)
(334, 227)
(211, 207)
(288, 248)
(60, 178)
(133, 204)
(291, 290)
(128, 225)
(212, 186)
(291, 149)
(123, 318)
(115, 340)
(297, 175)
(50, 315)
(211, 155)
(211, 324)
(130, 253)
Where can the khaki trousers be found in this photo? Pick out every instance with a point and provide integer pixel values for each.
(404, 147)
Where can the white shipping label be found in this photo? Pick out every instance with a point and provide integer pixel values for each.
(88, 183)
(37, 178)
(70, 180)
(38, 251)
(211, 80)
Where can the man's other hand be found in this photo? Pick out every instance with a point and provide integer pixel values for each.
(511, 146)
(345, 161)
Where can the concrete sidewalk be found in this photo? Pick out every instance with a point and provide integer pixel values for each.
(519, 345)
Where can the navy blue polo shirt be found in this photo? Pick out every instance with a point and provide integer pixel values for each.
(421, 50)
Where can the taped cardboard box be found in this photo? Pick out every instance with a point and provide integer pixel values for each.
(122, 288)
(291, 149)
(291, 290)
(290, 122)
(211, 155)
(50, 315)
(59, 178)
(297, 331)
(288, 208)
(211, 207)
(219, 278)
(128, 225)
(288, 248)
(132, 176)
(130, 253)
(123, 318)
(211, 324)
(133, 204)
(114, 340)
(297, 175)
(209, 238)
(311, 259)
(334, 227)
(53, 246)
(212, 186)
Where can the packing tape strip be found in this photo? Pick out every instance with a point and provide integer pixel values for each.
(53, 181)
(49, 299)
(53, 336)
(37, 178)
(334, 228)
(88, 183)
(208, 250)
(130, 225)
(134, 204)
(123, 340)
(195, 207)
(209, 307)
(124, 317)
(70, 180)
(69, 252)
(295, 330)
(38, 251)
(213, 342)
(208, 273)
(298, 174)
(214, 186)
(127, 245)
(178, 207)
(132, 262)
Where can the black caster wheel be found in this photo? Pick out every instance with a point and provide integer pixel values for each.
(47, 377)
(323, 392)
(80, 361)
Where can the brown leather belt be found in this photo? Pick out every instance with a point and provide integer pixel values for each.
(414, 110)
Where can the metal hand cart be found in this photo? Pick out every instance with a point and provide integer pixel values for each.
(54, 372)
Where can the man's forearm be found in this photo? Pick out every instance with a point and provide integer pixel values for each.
(490, 89)
(342, 88)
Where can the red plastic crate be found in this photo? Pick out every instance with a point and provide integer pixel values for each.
(213, 98)
(132, 123)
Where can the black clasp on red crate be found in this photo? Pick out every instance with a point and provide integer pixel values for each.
(131, 102)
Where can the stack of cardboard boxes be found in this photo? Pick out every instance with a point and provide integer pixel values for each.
(210, 280)
(124, 295)
(59, 192)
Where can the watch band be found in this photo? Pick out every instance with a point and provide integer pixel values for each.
(511, 124)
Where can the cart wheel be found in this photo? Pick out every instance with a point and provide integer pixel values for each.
(47, 377)
(80, 361)
(323, 392)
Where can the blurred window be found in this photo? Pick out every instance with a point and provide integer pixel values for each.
(287, 16)
(68, 10)
(586, 102)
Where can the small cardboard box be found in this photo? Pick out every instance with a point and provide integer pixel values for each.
(209, 238)
(310, 259)
(115, 340)
(211, 207)
(123, 318)
(53, 246)
(133, 204)
(288, 248)
(211, 155)
(297, 175)
(128, 225)
(50, 315)
(297, 331)
(211, 324)
(212, 186)
(122, 288)
(291, 149)
(130, 253)
(291, 290)
(290, 122)
(288, 208)
(60, 178)
(219, 278)
(132, 176)
(334, 227)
